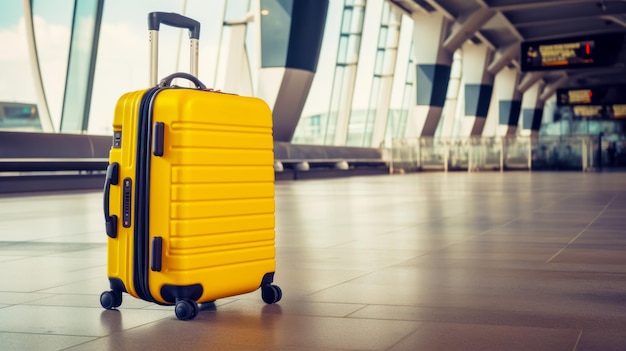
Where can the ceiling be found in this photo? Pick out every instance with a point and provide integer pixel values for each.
(505, 24)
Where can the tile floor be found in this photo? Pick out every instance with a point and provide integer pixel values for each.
(427, 261)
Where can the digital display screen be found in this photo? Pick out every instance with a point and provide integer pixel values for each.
(566, 53)
(599, 111)
(575, 97)
(589, 111)
(612, 94)
(619, 111)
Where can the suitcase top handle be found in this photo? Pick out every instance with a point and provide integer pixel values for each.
(175, 20)
(167, 81)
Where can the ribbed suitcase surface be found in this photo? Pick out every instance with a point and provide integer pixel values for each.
(212, 192)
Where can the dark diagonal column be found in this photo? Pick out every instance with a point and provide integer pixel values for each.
(291, 39)
(509, 101)
(432, 69)
(532, 109)
(478, 87)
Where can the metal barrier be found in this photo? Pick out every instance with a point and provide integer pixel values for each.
(495, 154)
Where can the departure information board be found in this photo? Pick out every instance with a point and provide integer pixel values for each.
(575, 97)
(603, 102)
(612, 94)
(561, 55)
(566, 53)
(599, 111)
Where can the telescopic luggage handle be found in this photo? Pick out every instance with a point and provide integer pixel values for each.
(175, 20)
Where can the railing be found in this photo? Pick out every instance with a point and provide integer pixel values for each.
(31, 162)
(496, 154)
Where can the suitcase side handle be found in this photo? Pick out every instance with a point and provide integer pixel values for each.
(112, 178)
(167, 81)
(175, 20)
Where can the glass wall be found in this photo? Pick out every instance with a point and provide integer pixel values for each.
(80, 68)
(18, 99)
(275, 24)
(358, 82)
(345, 72)
(121, 64)
(123, 52)
(52, 24)
(361, 129)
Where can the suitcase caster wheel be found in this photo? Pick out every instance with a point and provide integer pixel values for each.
(111, 299)
(186, 310)
(271, 294)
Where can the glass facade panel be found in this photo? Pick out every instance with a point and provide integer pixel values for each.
(53, 23)
(358, 18)
(342, 52)
(122, 64)
(389, 61)
(335, 101)
(372, 111)
(393, 35)
(382, 36)
(80, 68)
(408, 92)
(354, 45)
(379, 100)
(276, 17)
(123, 52)
(17, 91)
(346, 21)
(378, 66)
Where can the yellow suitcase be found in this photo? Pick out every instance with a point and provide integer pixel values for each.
(189, 194)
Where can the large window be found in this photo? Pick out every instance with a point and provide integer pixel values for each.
(276, 17)
(53, 22)
(121, 63)
(16, 80)
(123, 53)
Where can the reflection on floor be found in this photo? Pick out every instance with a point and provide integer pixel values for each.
(428, 261)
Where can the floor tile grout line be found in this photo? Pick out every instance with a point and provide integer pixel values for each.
(406, 337)
(582, 231)
(578, 340)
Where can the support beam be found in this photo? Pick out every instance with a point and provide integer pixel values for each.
(551, 89)
(432, 72)
(478, 87)
(529, 79)
(512, 5)
(468, 28)
(503, 57)
(532, 110)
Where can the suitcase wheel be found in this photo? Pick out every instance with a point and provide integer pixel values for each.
(186, 309)
(271, 294)
(111, 299)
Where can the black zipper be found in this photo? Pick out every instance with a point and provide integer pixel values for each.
(142, 196)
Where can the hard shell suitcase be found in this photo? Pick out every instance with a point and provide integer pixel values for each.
(189, 192)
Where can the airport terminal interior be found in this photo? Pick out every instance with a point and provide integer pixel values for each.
(444, 174)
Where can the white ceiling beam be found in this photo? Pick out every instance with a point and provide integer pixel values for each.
(468, 29)
(535, 4)
(550, 89)
(441, 9)
(615, 20)
(528, 80)
(503, 57)
(408, 6)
